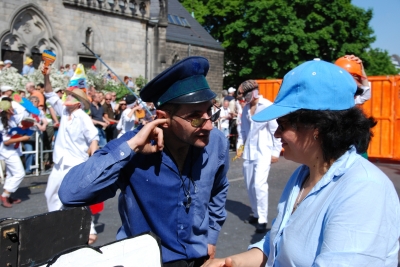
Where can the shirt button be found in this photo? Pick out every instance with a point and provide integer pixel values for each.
(122, 153)
(181, 227)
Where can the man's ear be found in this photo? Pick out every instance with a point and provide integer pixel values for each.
(161, 114)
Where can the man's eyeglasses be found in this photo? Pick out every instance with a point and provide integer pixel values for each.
(108, 98)
(122, 104)
(199, 122)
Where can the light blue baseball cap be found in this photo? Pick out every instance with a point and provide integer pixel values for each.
(315, 85)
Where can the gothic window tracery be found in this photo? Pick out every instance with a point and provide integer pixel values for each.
(29, 33)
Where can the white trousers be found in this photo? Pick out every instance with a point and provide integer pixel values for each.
(53, 184)
(256, 177)
(15, 173)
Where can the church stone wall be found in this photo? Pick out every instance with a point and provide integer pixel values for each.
(41, 24)
(178, 51)
(130, 45)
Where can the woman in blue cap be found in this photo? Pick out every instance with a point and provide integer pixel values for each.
(337, 209)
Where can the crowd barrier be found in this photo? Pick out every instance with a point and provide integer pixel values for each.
(384, 106)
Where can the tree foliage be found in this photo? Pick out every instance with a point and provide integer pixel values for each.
(267, 38)
(378, 62)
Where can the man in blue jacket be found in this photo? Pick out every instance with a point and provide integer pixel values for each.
(171, 172)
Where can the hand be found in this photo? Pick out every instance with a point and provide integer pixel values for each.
(41, 68)
(274, 159)
(227, 262)
(211, 251)
(104, 124)
(141, 142)
(359, 61)
(354, 58)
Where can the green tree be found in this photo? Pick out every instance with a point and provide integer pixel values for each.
(140, 82)
(267, 38)
(378, 62)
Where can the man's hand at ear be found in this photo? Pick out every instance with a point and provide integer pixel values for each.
(141, 142)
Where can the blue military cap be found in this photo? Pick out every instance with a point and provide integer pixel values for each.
(182, 83)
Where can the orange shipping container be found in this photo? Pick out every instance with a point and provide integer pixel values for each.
(384, 106)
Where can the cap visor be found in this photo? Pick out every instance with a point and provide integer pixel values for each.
(195, 97)
(272, 112)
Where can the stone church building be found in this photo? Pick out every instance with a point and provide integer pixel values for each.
(133, 37)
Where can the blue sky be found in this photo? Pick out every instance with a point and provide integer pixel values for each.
(385, 23)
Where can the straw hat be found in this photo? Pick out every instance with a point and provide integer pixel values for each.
(28, 61)
(5, 105)
(80, 95)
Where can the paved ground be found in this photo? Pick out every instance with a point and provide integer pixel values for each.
(235, 235)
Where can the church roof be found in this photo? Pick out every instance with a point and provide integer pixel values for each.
(183, 28)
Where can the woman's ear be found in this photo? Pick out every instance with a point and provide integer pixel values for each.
(316, 134)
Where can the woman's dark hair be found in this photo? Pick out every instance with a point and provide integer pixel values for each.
(338, 129)
(3, 114)
(4, 120)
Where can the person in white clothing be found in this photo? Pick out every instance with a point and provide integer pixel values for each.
(10, 153)
(128, 120)
(355, 67)
(19, 111)
(239, 105)
(224, 118)
(77, 139)
(260, 149)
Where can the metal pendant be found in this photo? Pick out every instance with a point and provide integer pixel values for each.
(189, 201)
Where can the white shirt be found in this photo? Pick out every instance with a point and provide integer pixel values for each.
(239, 111)
(113, 104)
(366, 95)
(74, 136)
(10, 150)
(224, 123)
(258, 136)
(126, 124)
(19, 111)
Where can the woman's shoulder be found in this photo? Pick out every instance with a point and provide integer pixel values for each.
(364, 170)
(364, 176)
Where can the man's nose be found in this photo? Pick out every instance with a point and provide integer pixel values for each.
(277, 133)
(208, 125)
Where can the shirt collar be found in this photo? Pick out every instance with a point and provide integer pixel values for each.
(197, 152)
(338, 168)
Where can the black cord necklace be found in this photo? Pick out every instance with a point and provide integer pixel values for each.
(186, 191)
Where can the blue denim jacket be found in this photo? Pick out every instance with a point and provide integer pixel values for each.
(153, 197)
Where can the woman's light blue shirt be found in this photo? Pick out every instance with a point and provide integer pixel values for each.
(350, 218)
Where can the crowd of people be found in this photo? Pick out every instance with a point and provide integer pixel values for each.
(173, 142)
(106, 111)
